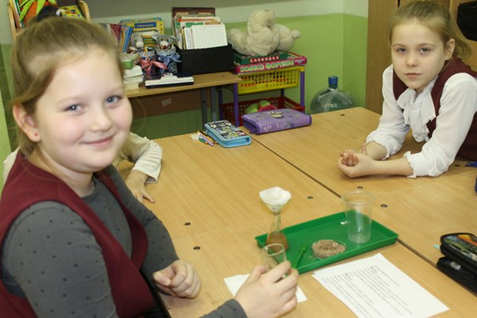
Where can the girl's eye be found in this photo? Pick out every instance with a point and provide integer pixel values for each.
(425, 50)
(73, 108)
(400, 50)
(113, 99)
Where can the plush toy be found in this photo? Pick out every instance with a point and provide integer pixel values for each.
(287, 37)
(259, 38)
(263, 36)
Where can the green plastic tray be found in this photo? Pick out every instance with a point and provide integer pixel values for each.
(329, 227)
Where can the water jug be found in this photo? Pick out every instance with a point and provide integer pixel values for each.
(331, 98)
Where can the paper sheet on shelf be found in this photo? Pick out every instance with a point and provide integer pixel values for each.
(235, 282)
(209, 36)
(374, 287)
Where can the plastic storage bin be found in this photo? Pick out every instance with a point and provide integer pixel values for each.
(265, 81)
(280, 102)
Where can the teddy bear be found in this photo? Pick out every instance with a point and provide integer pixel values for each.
(263, 36)
(287, 37)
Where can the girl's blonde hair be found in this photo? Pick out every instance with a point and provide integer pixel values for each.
(46, 46)
(436, 17)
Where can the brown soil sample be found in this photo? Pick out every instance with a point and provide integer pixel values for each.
(327, 248)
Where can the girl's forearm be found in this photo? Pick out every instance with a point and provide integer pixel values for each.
(399, 167)
(375, 150)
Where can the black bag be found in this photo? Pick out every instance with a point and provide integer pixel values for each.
(460, 261)
(466, 15)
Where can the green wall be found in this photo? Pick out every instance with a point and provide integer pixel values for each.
(324, 41)
(354, 59)
(334, 44)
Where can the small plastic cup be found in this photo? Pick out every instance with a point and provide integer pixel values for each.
(358, 207)
(273, 254)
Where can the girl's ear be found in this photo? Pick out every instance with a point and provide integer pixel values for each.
(26, 122)
(450, 46)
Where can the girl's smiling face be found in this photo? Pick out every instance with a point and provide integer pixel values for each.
(83, 118)
(418, 54)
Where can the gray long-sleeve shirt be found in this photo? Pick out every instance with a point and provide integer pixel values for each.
(51, 257)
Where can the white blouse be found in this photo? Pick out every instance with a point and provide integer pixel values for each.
(458, 106)
(146, 155)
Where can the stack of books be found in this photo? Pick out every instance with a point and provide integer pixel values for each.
(122, 34)
(198, 28)
(15, 5)
(133, 77)
(245, 64)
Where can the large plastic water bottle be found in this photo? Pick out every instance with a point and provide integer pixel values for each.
(331, 98)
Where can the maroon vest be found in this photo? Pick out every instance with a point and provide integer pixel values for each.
(468, 149)
(28, 185)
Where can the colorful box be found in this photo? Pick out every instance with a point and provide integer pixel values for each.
(292, 60)
(247, 59)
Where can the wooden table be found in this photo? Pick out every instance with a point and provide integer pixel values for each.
(420, 210)
(203, 188)
(222, 253)
(204, 82)
(315, 151)
(208, 199)
(422, 214)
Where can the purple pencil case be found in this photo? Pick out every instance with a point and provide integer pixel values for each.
(275, 120)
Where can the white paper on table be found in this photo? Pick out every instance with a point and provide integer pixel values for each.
(235, 282)
(374, 287)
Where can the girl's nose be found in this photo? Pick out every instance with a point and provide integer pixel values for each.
(100, 119)
(411, 59)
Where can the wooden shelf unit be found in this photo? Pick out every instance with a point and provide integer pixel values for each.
(472, 60)
(83, 6)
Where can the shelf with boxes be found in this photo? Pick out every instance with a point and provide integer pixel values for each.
(17, 27)
(262, 75)
(468, 11)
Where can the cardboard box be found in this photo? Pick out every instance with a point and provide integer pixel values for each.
(201, 61)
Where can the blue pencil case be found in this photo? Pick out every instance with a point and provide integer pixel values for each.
(226, 134)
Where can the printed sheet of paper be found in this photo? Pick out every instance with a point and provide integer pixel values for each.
(374, 287)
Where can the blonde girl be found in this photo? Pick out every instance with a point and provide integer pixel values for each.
(428, 90)
(74, 240)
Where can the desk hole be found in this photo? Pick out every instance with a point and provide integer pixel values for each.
(457, 165)
(360, 187)
(196, 248)
(187, 223)
(384, 205)
(342, 115)
(310, 197)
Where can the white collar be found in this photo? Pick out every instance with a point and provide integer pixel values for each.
(418, 111)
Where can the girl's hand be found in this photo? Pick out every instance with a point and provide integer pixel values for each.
(180, 279)
(135, 182)
(269, 294)
(363, 165)
(349, 157)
